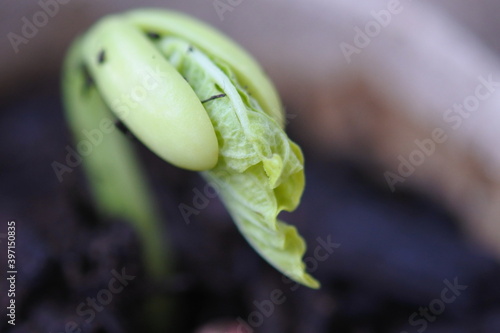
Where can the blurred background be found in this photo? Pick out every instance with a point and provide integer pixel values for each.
(395, 106)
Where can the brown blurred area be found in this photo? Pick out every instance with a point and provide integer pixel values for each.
(409, 89)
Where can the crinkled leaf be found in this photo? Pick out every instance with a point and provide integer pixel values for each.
(259, 171)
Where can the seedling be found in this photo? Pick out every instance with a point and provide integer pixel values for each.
(198, 101)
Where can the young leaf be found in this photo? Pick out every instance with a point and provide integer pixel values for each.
(259, 170)
(212, 109)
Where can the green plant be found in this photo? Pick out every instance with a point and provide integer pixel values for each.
(198, 101)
